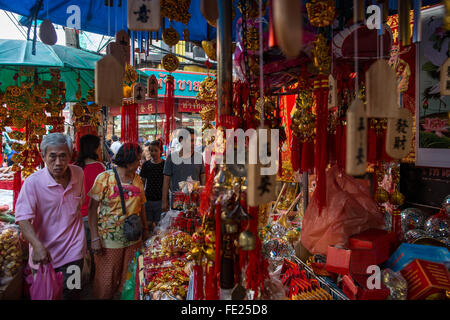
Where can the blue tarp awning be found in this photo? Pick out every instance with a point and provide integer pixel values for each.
(99, 18)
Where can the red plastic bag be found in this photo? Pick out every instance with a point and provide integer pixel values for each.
(350, 210)
(46, 284)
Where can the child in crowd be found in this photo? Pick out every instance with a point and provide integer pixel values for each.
(152, 175)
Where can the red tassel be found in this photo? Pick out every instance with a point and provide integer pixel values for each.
(198, 282)
(272, 37)
(129, 123)
(307, 154)
(257, 265)
(169, 105)
(205, 197)
(295, 153)
(17, 185)
(218, 245)
(211, 292)
(320, 163)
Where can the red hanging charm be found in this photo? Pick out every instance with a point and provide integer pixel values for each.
(320, 163)
(129, 123)
(198, 281)
(169, 106)
(17, 185)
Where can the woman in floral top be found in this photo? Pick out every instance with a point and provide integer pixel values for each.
(112, 251)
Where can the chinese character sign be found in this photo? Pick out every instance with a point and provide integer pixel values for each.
(144, 15)
(399, 134)
(356, 160)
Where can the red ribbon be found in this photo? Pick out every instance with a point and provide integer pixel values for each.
(169, 106)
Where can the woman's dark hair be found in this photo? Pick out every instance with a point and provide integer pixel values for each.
(127, 154)
(89, 144)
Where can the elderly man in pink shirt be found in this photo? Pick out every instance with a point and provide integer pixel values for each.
(48, 211)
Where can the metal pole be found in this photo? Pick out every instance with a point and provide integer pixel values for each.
(224, 54)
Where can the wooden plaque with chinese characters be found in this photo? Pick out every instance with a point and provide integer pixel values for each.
(144, 15)
(152, 87)
(332, 93)
(356, 160)
(138, 93)
(399, 134)
(108, 81)
(381, 90)
(445, 78)
(261, 189)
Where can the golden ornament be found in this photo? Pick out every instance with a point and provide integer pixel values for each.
(170, 62)
(170, 36)
(210, 253)
(130, 74)
(381, 196)
(303, 124)
(321, 13)
(396, 198)
(177, 10)
(321, 55)
(78, 110)
(210, 48)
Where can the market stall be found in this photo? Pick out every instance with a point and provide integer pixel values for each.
(322, 105)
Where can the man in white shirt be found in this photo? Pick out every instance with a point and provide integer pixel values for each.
(115, 146)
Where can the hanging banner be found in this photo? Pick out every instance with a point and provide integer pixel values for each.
(186, 83)
(403, 60)
(432, 108)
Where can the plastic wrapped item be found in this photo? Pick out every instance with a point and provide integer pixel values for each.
(10, 252)
(396, 284)
(166, 221)
(350, 209)
(46, 284)
(274, 289)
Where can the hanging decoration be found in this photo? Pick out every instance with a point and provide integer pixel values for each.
(170, 62)
(321, 13)
(169, 107)
(177, 10)
(207, 97)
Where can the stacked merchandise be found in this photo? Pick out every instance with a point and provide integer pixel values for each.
(166, 266)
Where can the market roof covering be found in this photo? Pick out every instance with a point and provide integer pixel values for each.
(97, 17)
(71, 61)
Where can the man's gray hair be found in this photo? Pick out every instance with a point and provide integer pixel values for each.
(56, 139)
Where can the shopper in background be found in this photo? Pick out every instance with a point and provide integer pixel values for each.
(175, 173)
(115, 145)
(48, 211)
(152, 175)
(112, 251)
(89, 157)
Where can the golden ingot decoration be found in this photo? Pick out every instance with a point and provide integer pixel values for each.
(170, 36)
(303, 124)
(321, 54)
(210, 48)
(170, 62)
(321, 13)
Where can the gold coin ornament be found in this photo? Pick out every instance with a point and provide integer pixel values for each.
(170, 62)
(170, 36)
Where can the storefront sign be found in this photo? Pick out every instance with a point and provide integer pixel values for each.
(186, 83)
